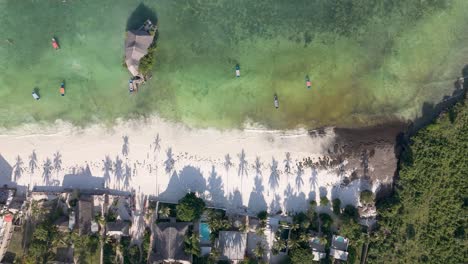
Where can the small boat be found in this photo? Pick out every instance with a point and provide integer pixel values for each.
(35, 95)
(276, 101)
(237, 70)
(308, 83)
(62, 89)
(55, 45)
(130, 86)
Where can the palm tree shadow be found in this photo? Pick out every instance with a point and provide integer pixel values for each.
(169, 163)
(107, 168)
(242, 164)
(18, 168)
(139, 16)
(274, 176)
(125, 146)
(32, 162)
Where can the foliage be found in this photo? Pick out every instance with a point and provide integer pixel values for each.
(324, 201)
(130, 253)
(326, 222)
(262, 215)
(164, 211)
(301, 255)
(259, 250)
(425, 220)
(145, 245)
(190, 208)
(366, 197)
(217, 221)
(192, 244)
(336, 205)
(147, 62)
(43, 237)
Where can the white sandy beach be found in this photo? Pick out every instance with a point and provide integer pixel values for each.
(235, 169)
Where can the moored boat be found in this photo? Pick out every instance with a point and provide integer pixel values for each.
(55, 44)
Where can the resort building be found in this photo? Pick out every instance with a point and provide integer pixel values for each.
(137, 44)
(318, 249)
(339, 248)
(117, 229)
(168, 245)
(232, 245)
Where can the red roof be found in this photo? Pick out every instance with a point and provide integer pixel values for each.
(8, 218)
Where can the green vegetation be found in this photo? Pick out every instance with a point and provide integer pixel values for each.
(366, 197)
(148, 61)
(336, 205)
(190, 208)
(324, 201)
(301, 255)
(425, 220)
(192, 243)
(217, 221)
(368, 60)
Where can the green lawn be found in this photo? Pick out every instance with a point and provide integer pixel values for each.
(368, 61)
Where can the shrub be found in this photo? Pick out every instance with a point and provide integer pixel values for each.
(367, 197)
(262, 215)
(324, 201)
(190, 208)
(336, 206)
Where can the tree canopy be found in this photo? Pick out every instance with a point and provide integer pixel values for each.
(425, 220)
(190, 208)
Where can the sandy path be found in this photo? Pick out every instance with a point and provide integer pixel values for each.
(253, 168)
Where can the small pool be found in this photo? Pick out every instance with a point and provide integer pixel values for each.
(340, 239)
(205, 232)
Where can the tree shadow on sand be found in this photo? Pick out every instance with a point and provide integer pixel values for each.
(127, 175)
(257, 202)
(118, 171)
(169, 163)
(47, 171)
(258, 167)
(287, 163)
(156, 145)
(275, 205)
(139, 16)
(299, 174)
(125, 146)
(216, 189)
(313, 178)
(107, 169)
(227, 162)
(190, 179)
(18, 169)
(57, 162)
(32, 162)
(274, 175)
(242, 164)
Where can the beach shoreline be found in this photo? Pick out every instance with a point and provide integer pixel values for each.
(247, 169)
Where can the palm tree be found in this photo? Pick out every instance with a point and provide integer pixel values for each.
(192, 245)
(279, 245)
(304, 238)
(259, 250)
(165, 211)
(293, 244)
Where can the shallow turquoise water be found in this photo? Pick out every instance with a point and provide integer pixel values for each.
(376, 62)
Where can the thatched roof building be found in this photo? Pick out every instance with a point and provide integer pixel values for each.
(136, 46)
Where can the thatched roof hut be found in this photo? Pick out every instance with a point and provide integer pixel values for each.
(136, 46)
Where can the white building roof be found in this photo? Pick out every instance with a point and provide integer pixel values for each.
(339, 254)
